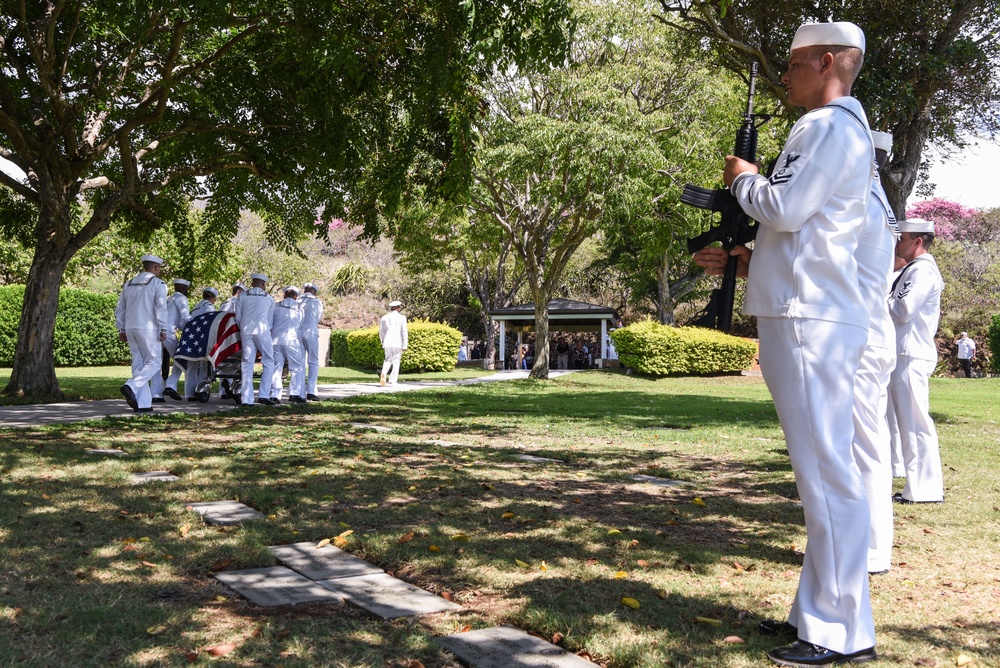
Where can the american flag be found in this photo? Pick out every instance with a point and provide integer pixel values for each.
(212, 336)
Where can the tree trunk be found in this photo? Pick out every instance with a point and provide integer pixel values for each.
(491, 349)
(540, 368)
(34, 372)
(665, 303)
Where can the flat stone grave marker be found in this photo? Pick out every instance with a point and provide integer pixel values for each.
(151, 476)
(373, 427)
(539, 460)
(225, 513)
(388, 597)
(653, 480)
(442, 443)
(106, 451)
(508, 647)
(325, 563)
(277, 585)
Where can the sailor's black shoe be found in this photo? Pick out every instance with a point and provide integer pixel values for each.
(129, 396)
(802, 653)
(172, 393)
(772, 627)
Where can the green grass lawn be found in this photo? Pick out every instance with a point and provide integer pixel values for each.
(86, 383)
(91, 562)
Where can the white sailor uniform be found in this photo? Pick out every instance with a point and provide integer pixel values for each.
(915, 306)
(197, 372)
(812, 322)
(142, 314)
(287, 348)
(312, 312)
(254, 313)
(229, 304)
(393, 333)
(875, 256)
(177, 317)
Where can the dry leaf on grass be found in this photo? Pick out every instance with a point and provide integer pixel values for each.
(557, 638)
(220, 650)
(405, 538)
(522, 564)
(460, 536)
(411, 663)
(156, 630)
(621, 575)
(447, 596)
(925, 662)
(434, 548)
(507, 515)
(614, 532)
(698, 501)
(630, 602)
(733, 639)
(184, 530)
(323, 543)
(709, 621)
(964, 660)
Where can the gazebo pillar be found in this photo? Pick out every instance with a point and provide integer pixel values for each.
(503, 343)
(604, 343)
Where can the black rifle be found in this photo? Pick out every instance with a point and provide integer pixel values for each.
(735, 228)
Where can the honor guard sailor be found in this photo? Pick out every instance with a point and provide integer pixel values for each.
(230, 306)
(813, 325)
(915, 306)
(287, 348)
(394, 335)
(312, 312)
(141, 319)
(198, 372)
(177, 316)
(254, 314)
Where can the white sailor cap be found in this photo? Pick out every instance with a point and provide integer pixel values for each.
(258, 277)
(310, 285)
(838, 33)
(292, 288)
(240, 286)
(181, 281)
(215, 293)
(916, 226)
(152, 258)
(394, 304)
(883, 141)
(963, 333)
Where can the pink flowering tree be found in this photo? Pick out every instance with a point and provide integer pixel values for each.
(952, 221)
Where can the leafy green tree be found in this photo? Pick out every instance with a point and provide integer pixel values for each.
(283, 107)
(930, 71)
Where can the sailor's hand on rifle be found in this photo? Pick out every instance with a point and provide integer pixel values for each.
(736, 166)
(714, 260)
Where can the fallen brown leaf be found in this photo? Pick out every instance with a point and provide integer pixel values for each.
(220, 564)
(405, 538)
(447, 596)
(733, 639)
(221, 650)
(191, 657)
(925, 662)
(557, 638)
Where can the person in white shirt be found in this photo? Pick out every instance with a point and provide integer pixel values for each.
(813, 325)
(395, 337)
(230, 307)
(285, 340)
(312, 312)
(198, 372)
(875, 256)
(966, 351)
(254, 314)
(177, 316)
(141, 319)
(915, 306)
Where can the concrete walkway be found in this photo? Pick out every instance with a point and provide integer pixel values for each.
(34, 415)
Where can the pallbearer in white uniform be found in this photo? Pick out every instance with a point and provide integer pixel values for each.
(875, 256)
(198, 372)
(230, 306)
(915, 306)
(141, 319)
(812, 321)
(177, 316)
(312, 312)
(254, 314)
(285, 339)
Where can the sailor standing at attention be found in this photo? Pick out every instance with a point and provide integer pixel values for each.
(141, 319)
(813, 324)
(177, 316)
(198, 372)
(254, 314)
(312, 312)
(394, 335)
(285, 338)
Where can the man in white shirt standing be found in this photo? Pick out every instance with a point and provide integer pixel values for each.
(254, 315)
(285, 337)
(813, 324)
(915, 306)
(141, 319)
(177, 316)
(312, 312)
(966, 351)
(395, 337)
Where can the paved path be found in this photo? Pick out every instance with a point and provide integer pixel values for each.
(77, 411)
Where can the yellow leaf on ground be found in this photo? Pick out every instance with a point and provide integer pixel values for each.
(733, 639)
(522, 564)
(630, 602)
(411, 488)
(614, 532)
(340, 541)
(460, 536)
(343, 525)
(621, 575)
(543, 567)
(698, 501)
(709, 621)
(156, 630)
(184, 530)
(347, 533)
(507, 515)
(323, 543)
(434, 548)
(963, 660)
(405, 538)
(661, 594)
(221, 599)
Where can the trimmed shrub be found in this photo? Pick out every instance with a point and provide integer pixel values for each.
(432, 347)
(340, 354)
(993, 340)
(85, 333)
(661, 350)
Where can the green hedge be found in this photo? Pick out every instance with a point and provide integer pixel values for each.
(661, 350)
(993, 341)
(432, 347)
(85, 328)
(340, 354)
